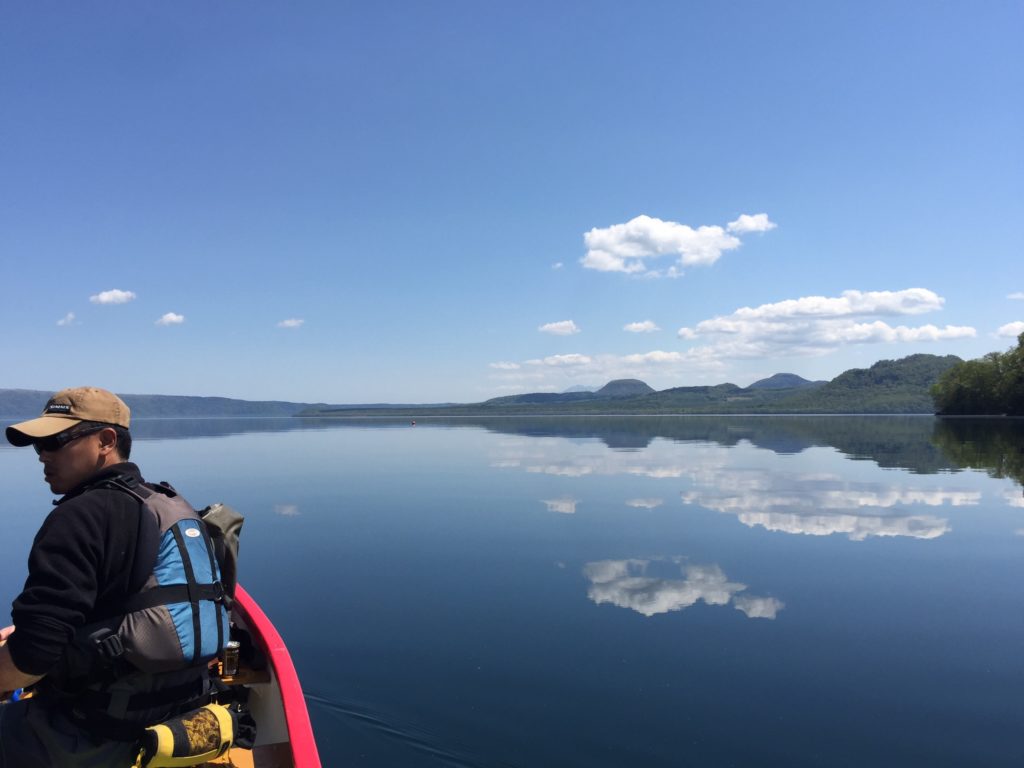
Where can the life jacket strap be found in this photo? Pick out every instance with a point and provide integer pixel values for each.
(100, 701)
(175, 593)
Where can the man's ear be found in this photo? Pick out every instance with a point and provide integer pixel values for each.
(108, 441)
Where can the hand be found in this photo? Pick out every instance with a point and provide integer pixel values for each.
(5, 633)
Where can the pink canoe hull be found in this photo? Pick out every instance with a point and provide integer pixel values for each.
(293, 703)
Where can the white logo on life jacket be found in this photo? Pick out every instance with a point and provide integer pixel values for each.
(193, 533)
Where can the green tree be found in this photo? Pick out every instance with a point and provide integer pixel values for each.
(992, 385)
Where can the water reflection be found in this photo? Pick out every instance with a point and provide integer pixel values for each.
(759, 487)
(994, 445)
(644, 503)
(565, 506)
(1014, 498)
(920, 444)
(858, 528)
(825, 505)
(628, 584)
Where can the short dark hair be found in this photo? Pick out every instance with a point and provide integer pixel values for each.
(124, 441)
(124, 437)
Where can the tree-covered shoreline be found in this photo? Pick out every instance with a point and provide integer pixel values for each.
(989, 386)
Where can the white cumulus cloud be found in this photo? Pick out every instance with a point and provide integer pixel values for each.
(644, 326)
(1011, 330)
(171, 318)
(628, 247)
(746, 223)
(912, 301)
(68, 319)
(113, 296)
(291, 322)
(816, 325)
(561, 328)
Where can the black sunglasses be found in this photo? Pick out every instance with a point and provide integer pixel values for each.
(58, 441)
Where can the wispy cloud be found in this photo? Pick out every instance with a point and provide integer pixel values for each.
(654, 356)
(557, 265)
(806, 326)
(561, 328)
(814, 325)
(912, 301)
(628, 247)
(113, 296)
(505, 366)
(1011, 330)
(171, 318)
(561, 360)
(286, 510)
(68, 319)
(1017, 296)
(291, 322)
(644, 326)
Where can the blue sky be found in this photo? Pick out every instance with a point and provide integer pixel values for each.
(424, 202)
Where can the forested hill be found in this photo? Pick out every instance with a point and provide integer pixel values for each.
(26, 403)
(889, 386)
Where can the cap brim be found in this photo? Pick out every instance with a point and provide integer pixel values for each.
(24, 433)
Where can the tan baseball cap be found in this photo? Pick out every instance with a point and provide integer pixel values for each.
(68, 408)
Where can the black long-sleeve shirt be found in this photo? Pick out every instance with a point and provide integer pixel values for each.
(79, 570)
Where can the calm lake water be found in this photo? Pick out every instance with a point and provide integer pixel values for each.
(671, 591)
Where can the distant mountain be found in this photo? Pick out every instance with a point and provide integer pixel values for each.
(26, 403)
(578, 388)
(624, 388)
(619, 388)
(785, 381)
(889, 386)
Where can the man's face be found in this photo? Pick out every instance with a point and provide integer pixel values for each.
(74, 463)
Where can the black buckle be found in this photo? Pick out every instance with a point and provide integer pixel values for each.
(108, 644)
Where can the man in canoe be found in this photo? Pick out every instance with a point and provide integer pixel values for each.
(79, 620)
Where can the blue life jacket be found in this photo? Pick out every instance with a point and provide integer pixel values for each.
(178, 618)
(150, 660)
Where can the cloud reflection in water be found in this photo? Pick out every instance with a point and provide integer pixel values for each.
(644, 503)
(762, 489)
(565, 506)
(823, 505)
(626, 583)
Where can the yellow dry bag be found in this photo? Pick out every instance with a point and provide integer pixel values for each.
(189, 739)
